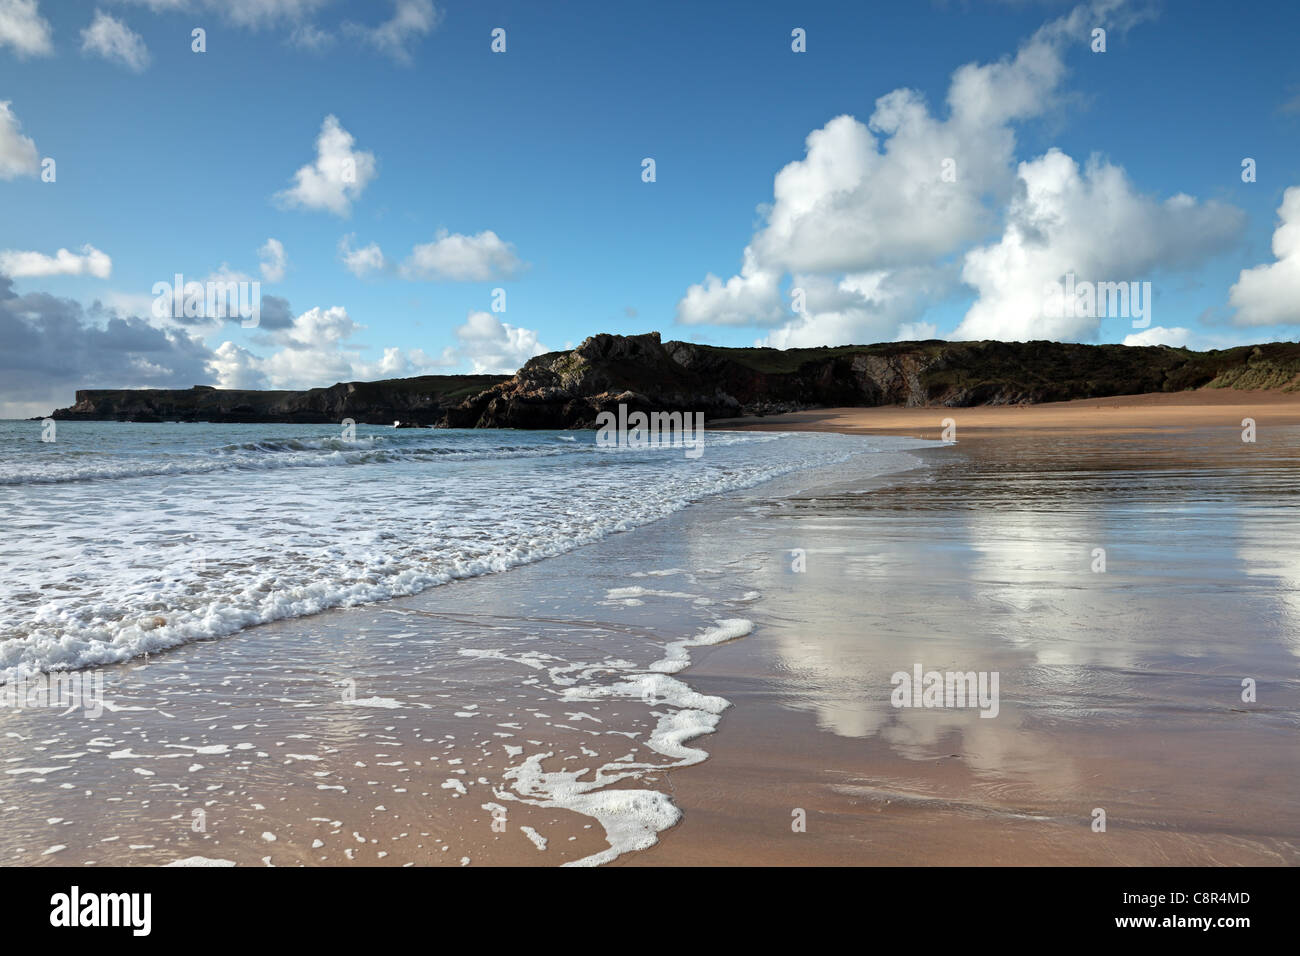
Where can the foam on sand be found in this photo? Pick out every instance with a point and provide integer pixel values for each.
(632, 818)
(200, 861)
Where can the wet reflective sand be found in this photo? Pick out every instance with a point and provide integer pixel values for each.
(1119, 690)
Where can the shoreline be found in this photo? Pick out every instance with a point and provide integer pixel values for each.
(1200, 408)
(977, 559)
(459, 696)
(1189, 407)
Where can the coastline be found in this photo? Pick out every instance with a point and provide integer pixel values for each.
(394, 733)
(1119, 691)
(1200, 408)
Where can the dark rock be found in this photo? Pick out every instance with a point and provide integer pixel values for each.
(420, 401)
(570, 389)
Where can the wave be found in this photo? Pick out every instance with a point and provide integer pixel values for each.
(270, 455)
(300, 561)
(313, 452)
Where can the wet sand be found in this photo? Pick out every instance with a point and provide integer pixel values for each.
(379, 735)
(1121, 689)
(397, 733)
(348, 737)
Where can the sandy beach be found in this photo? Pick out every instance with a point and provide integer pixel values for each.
(414, 731)
(1204, 408)
(1126, 683)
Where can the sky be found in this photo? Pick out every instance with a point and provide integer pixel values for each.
(411, 201)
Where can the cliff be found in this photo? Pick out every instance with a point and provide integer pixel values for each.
(423, 400)
(569, 389)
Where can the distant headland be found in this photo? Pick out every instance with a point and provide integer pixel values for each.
(569, 389)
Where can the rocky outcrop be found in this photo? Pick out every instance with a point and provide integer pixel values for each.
(415, 401)
(570, 389)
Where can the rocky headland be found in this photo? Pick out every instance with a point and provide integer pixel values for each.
(569, 389)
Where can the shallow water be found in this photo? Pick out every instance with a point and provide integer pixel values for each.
(395, 733)
(122, 539)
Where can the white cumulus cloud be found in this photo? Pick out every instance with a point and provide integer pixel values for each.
(317, 348)
(24, 29)
(233, 366)
(903, 189)
(867, 224)
(361, 261)
(18, 156)
(487, 344)
(320, 347)
(862, 307)
(411, 20)
(116, 42)
(751, 298)
(1269, 294)
(1176, 337)
(1091, 223)
(274, 260)
(19, 264)
(462, 258)
(1179, 337)
(337, 177)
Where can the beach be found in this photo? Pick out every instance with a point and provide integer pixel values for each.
(1121, 690)
(716, 685)
(1197, 408)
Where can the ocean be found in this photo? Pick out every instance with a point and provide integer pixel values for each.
(125, 539)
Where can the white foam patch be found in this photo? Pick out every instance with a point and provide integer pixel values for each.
(676, 655)
(387, 703)
(631, 818)
(539, 841)
(632, 596)
(200, 861)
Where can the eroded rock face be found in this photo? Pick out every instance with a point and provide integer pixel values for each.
(569, 389)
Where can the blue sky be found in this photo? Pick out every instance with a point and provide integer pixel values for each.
(528, 165)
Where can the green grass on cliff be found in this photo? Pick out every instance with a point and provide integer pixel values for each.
(1275, 365)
